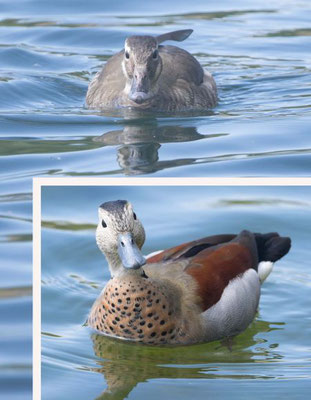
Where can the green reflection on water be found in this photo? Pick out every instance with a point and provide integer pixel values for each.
(125, 364)
(67, 226)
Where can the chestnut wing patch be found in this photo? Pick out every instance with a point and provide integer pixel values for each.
(216, 260)
(189, 249)
(215, 267)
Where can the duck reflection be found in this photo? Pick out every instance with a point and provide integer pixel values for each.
(139, 144)
(124, 365)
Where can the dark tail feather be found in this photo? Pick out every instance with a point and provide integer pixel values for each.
(271, 246)
(178, 36)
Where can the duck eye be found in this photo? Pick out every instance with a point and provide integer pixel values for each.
(155, 54)
(127, 55)
(104, 224)
(134, 215)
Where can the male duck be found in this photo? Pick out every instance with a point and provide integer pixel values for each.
(199, 291)
(145, 75)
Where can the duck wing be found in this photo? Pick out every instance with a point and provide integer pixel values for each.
(213, 262)
(214, 267)
(189, 249)
(111, 76)
(179, 64)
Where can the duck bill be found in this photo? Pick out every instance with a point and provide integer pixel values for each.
(129, 253)
(140, 88)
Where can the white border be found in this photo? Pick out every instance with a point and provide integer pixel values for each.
(170, 181)
(113, 181)
(36, 290)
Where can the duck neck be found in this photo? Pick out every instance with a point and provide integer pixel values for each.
(117, 270)
(114, 263)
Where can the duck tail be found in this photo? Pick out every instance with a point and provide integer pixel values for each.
(177, 36)
(271, 247)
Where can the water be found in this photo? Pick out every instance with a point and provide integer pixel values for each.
(259, 53)
(272, 358)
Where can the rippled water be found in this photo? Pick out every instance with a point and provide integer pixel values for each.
(272, 358)
(259, 53)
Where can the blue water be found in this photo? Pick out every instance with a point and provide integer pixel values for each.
(259, 53)
(271, 359)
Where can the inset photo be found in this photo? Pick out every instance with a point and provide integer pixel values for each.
(171, 288)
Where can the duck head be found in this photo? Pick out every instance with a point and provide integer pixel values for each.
(120, 236)
(142, 66)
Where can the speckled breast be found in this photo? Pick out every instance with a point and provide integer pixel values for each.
(137, 310)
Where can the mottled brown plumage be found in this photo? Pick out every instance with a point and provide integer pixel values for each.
(140, 310)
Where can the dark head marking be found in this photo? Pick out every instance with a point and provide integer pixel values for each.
(142, 46)
(114, 206)
(145, 42)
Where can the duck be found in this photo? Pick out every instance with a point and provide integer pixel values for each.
(147, 75)
(199, 291)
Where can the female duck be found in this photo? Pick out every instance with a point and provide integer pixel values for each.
(147, 76)
(199, 291)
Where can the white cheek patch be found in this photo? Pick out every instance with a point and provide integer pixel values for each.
(128, 83)
(126, 47)
(236, 308)
(123, 68)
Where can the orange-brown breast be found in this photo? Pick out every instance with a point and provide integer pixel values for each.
(213, 269)
(138, 309)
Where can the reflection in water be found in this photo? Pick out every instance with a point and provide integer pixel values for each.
(125, 365)
(12, 146)
(139, 144)
(138, 158)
